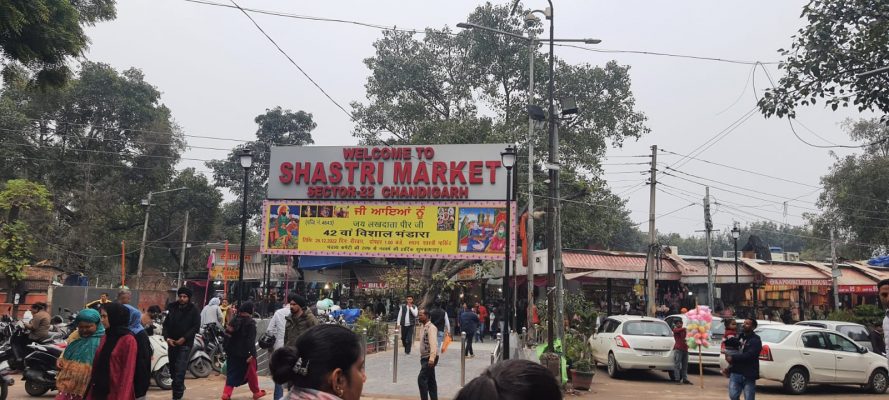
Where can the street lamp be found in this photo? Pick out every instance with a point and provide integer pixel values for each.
(736, 233)
(246, 158)
(507, 157)
(146, 204)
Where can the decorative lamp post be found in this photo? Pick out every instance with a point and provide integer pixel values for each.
(507, 157)
(246, 162)
(736, 233)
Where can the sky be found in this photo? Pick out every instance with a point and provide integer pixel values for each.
(217, 72)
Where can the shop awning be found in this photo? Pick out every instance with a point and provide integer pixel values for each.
(256, 272)
(790, 273)
(615, 265)
(696, 270)
(310, 263)
(854, 279)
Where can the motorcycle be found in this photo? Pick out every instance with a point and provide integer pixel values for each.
(199, 362)
(41, 368)
(213, 336)
(160, 363)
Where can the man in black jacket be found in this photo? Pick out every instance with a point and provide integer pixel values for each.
(744, 367)
(180, 327)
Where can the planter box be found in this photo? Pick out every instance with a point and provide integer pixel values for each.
(582, 380)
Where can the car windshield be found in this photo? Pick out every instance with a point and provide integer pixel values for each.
(854, 332)
(717, 327)
(646, 328)
(772, 335)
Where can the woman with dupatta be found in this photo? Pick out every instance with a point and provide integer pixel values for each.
(115, 364)
(142, 375)
(240, 349)
(76, 363)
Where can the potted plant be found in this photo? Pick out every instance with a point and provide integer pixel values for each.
(582, 375)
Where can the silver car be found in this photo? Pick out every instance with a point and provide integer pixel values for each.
(857, 332)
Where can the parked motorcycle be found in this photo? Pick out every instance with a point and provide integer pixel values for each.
(212, 337)
(199, 362)
(41, 368)
(160, 363)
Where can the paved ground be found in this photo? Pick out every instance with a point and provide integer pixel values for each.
(635, 385)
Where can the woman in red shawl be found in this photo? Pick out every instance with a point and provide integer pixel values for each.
(115, 364)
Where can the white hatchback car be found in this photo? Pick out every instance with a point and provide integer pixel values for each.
(799, 355)
(625, 342)
(709, 355)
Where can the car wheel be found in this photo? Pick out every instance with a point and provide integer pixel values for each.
(796, 381)
(613, 368)
(878, 382)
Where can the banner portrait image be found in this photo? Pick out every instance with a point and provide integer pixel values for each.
(462, 230)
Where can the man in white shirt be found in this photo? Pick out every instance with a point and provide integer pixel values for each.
(883, 288)
(407, 318)
(276, 328)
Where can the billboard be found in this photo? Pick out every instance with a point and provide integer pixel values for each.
(389, 173)
(456, 230)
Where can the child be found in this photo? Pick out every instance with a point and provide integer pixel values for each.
(729, 340)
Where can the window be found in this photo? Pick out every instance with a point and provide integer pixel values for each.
(815, 324)
(854, 332)
(814, 340)
(772, 335)
(840, 343)
(608, 326)
(646, 328)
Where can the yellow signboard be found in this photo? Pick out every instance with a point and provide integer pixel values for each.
(464, 230)
(228, 273)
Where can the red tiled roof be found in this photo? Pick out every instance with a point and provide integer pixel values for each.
(792, 274)
(620, 265)
(851, 274)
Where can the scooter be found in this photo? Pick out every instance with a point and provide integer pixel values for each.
(199, 362)
(160, 363)
(212, 337)
(41, 368)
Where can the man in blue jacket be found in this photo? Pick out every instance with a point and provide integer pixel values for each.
(469, 324)
(744, 366)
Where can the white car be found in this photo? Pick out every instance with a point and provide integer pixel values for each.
(799, 355)
(625, 342)
(857, 332)
(709, 355)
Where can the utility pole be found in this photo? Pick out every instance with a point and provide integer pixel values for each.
(147, 205)
(835, 271)
(652, 238)
(532, 44)
(708, 225)
(182, 253)
(553, 200)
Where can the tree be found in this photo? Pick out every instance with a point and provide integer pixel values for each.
(855, 194)
(277, 127)
(42, 35)
(842, 39)
(102, 131)
(435, 89)
(22, 206)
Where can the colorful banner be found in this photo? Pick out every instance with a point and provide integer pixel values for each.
(221, 273)
(457, 230)
(858, 289)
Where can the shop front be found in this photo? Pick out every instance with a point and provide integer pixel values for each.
(856, 284)
(616, 280)
(729, 291)
(788, 291)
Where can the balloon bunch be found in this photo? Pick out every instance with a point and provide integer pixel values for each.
(699, 321)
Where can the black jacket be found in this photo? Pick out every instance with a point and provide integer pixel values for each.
(746, 362)
(241, 340)
(469, 321)
(437, 317)
(142, 376)
(183, 321)
(876, 340)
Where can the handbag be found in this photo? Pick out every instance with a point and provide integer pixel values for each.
(266, 341)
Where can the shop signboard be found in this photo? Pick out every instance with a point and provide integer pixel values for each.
(455, 230)
(858, 289)
(797, 282)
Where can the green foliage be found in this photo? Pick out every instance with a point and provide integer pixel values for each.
(790, 238)
(841, 315)
(868, 314)
(276, 127)
(20, 202)
(376, 330)
(42, 35)
(842, 38)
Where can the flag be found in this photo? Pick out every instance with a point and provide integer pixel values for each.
(211, 259)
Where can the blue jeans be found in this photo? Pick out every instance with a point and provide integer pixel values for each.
(178, 365)
(738, 383)
(279, 391)
(441, 336)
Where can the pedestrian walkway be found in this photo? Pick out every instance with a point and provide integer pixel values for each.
(378, 367)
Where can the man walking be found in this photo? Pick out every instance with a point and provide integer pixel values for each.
(680, 354)
(439, 318)
(299, 320)
(428, 358)
(181, 325)
(883, 288)
(407, 316)
(482, 320)
(469, 325)
(744, 366)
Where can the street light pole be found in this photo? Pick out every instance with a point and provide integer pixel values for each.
(147, 204)
(507, 157)
(246, 162)
(553, 203)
